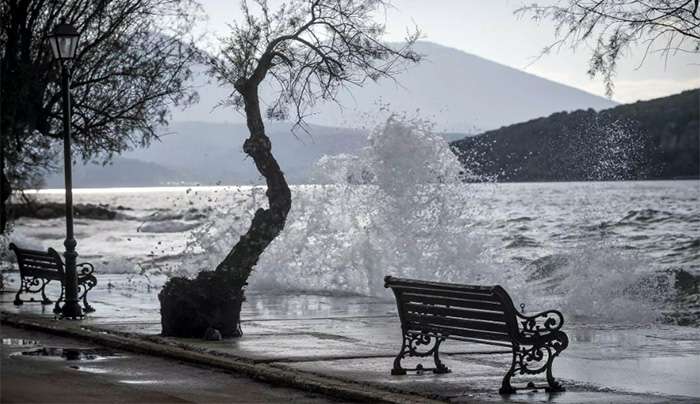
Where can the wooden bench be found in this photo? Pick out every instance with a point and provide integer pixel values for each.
(38, 268)
(432, 312)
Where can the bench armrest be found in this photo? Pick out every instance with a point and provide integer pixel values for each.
(546, 321)
(85, 268)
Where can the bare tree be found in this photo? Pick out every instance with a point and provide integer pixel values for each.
(309, 49)
(667, 27)
(132, 66)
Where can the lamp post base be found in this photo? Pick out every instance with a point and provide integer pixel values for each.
(72, 311)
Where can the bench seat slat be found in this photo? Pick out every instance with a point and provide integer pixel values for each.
(444, 301)
(42, 273)
(441, 329)
(455, 312)
(477, 295)
(458, 322)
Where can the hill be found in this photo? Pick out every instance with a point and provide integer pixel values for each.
(656, 139)
(211, 153)
(121, 172)
(459, 91)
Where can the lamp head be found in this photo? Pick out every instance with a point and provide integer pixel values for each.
(64, 41)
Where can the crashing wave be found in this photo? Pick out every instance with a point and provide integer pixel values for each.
(400, 207)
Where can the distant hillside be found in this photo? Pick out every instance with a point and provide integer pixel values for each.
(657, 139)
(211, 153)
(122, 172)
(458, 91)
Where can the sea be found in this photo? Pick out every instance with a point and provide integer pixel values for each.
(615, 252)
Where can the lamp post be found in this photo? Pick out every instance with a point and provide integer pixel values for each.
(64, 44)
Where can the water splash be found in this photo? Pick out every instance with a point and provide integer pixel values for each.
(401, 207)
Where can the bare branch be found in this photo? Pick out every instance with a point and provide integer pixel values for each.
(668, 26)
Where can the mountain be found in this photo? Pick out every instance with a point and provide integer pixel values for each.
(211, 153)
(458, 91)
(656, 139)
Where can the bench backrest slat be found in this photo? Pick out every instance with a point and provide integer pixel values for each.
(450, 302)
(47, 264)
(39, 261)
(473, 295)
(402, 282)
(499, 328)
(455, 312)
(470, 311)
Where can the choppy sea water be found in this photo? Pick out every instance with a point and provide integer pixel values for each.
(615, 252)
(602, 251)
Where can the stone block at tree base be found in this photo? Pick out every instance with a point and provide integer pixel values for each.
(190, 306)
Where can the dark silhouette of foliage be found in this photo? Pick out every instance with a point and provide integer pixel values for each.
(310, 50)
(656, 139)
(661, 26)
(132, 66)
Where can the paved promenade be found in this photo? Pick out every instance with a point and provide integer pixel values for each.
(344, 346)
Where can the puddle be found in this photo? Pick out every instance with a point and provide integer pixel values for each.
(70, 354)
(19, 342)
(90, 369)
(140, 381)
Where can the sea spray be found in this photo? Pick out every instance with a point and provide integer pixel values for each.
(597, 251)
(399, 207)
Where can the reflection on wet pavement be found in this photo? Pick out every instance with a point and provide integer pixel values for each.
(19, 342)
(70, 354)
(356, 338)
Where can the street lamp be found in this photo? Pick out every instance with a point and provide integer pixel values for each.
(64, 44)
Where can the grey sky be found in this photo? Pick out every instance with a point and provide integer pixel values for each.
(489, 29)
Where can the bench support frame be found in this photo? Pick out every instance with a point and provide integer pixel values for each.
(484, 315)
(32, 284)
(533, 360)
(412, 342)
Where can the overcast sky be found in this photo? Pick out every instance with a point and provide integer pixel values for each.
(489, 29)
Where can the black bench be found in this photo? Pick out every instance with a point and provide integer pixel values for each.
(38, 268)
(431, 312)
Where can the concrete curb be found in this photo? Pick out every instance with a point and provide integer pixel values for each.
(268, 373)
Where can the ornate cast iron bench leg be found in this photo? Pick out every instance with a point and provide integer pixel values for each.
(26, 284)
(57, 306)
(18, 301)
(534, 359)
(440, 367)
(86, 281)
(86, 284)
(397, 370)
(409, 347)
(44, 299)
(506, 387)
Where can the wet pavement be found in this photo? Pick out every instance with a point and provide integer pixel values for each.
(354, 339)
(42, 368)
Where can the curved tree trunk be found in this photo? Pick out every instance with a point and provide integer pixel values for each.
(267, 223)
(191, 308)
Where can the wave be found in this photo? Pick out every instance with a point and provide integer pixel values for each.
(520, 241)
(168, 226)
(413, 219)
(648, 216)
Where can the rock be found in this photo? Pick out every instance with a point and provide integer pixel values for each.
(212, 334)
(58, 210)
